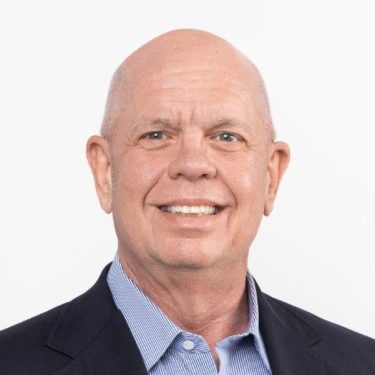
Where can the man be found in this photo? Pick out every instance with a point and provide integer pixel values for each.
(188, 164)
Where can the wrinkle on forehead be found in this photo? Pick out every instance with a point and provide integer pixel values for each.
(192, 55)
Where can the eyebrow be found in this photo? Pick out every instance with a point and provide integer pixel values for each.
(163, 123)
(144, 124)
(230, 123)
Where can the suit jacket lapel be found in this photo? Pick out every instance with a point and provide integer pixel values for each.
(289, 341)
(92, 331)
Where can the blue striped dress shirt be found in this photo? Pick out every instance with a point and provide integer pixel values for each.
(167, 349)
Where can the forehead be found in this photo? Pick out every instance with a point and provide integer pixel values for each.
(201, 89)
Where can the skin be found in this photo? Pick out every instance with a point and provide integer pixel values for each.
(187, 118)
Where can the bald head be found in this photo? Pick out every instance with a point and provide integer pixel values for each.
(185, 54)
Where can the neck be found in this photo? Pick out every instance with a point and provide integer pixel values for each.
(208, 302)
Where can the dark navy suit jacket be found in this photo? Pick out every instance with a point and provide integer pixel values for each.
(89, 336)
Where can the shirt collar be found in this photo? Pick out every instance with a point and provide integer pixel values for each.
(152, 330)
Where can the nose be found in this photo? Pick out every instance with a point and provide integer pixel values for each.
(191, 162)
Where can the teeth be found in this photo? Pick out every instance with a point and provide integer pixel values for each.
(195, 210)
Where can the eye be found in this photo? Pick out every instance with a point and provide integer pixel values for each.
(228, 141)
(154, 140)
(228, 137)
(158, 135)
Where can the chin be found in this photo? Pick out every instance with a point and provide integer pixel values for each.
(188, 255)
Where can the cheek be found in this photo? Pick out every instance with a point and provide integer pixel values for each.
(134, 177)
(246, 182)
(246, 179)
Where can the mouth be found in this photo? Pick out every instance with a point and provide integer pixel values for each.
(191, 210)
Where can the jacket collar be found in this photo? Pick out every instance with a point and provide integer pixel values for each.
(289, 340)
(93, 332)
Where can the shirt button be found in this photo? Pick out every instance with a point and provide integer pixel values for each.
(188, 345)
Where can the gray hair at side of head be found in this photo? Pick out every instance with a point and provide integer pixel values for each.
(113, 103)
(264, 109)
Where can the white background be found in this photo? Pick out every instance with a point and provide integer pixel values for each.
(317, 57)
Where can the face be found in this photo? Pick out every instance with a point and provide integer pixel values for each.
(190, 169)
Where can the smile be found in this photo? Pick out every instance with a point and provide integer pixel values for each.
(191, 210)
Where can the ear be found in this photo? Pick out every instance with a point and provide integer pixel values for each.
(99, 157)
(278, 161)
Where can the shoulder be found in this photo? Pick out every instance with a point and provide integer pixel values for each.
(49, 341)
(22, 346)
(340, 345)
(329, 329)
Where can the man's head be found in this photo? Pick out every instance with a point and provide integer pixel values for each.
(187, 123)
